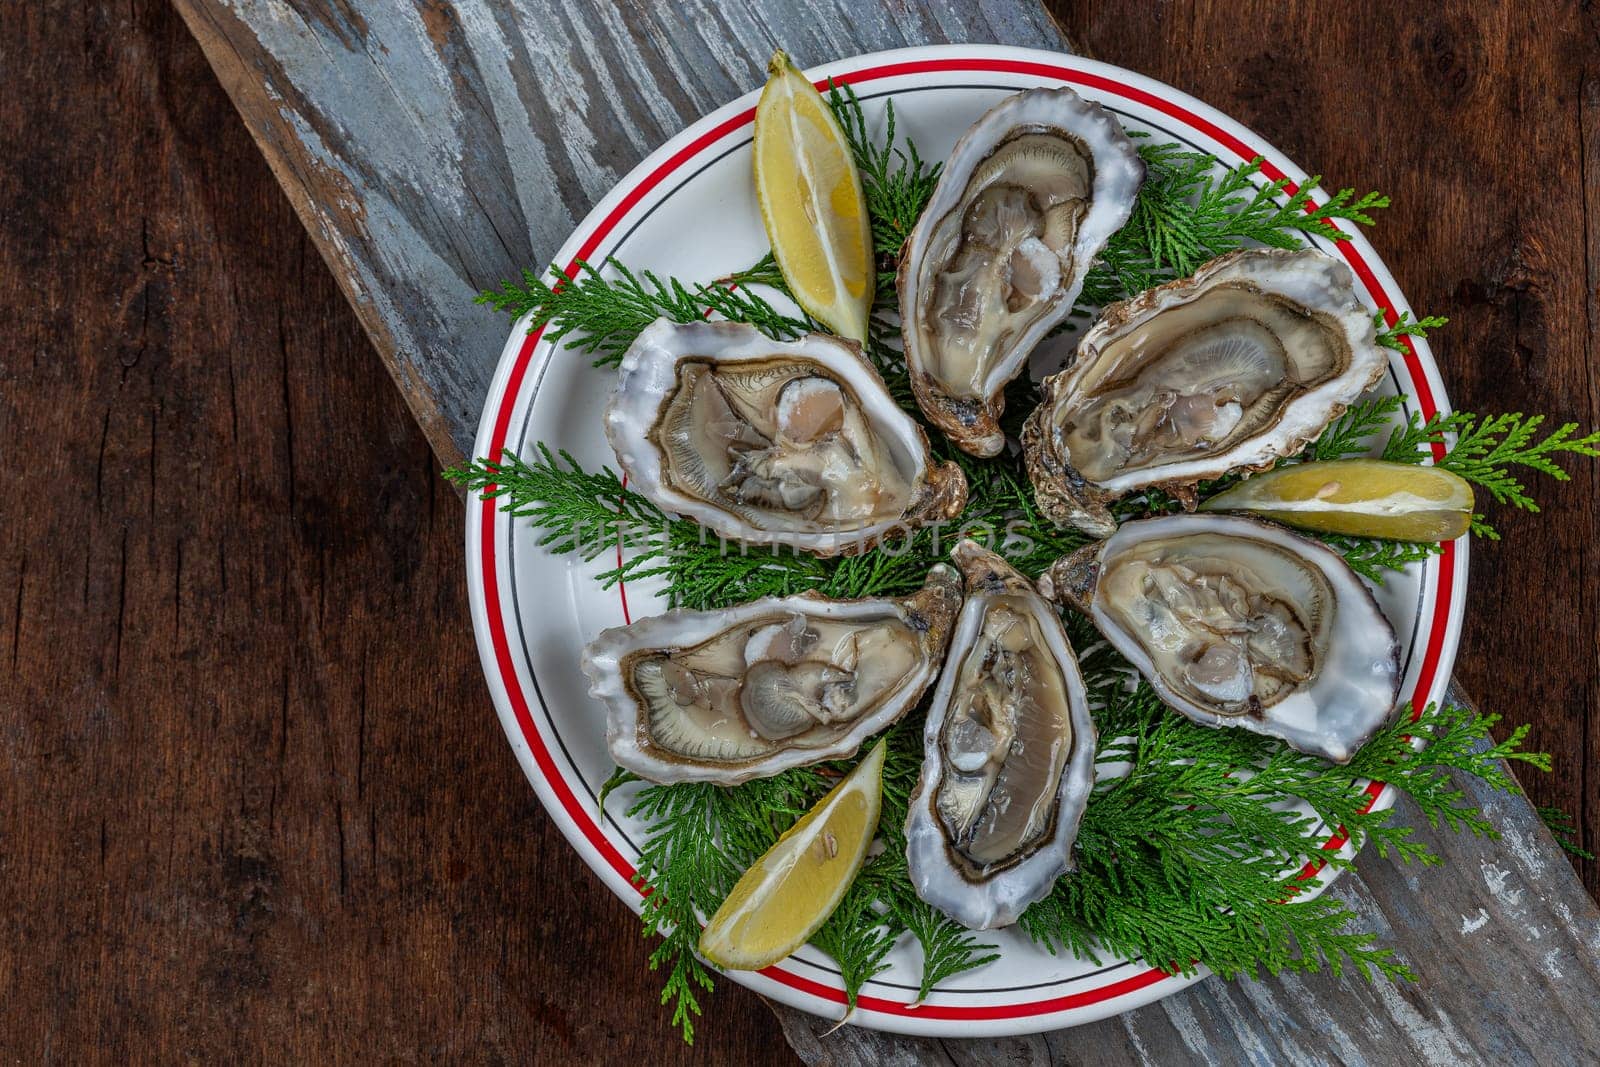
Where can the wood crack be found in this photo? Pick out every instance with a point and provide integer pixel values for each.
(361, 728)
(177, 593)
(288, 410)
(122, 603)
(100, 463)
(16, 612)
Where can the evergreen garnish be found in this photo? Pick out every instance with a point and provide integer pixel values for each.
(1188, 860)
(1485, 451)
(1187, 213)
(1404, 326)
(1188, 856)
(1564, 830)
(601, 316)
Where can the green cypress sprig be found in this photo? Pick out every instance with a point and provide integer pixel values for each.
(1564, 830)
(1203, 881)
(1352, 433)
(1405, 326)
(947, 948)
(573, 509)
(764, 272)
(896, 181)
(1374, 558)
(1188, 213)
(1487, 448)
(591, 513)
(856, 935)
(682, 839)
(600, 315)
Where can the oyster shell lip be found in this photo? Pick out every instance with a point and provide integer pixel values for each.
(1064, 496)
(647, 380)
(929, 612)
(1306, 276)
(1360, 679)
(1000, 899)
(1070, 580)
(973, 422)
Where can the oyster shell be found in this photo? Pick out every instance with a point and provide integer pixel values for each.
(1239, 622)
(1232, 369)
(1027, 199)
(773, 442)
(1008, 754)
(738, 693)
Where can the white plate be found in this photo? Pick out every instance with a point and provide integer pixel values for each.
(689, 211)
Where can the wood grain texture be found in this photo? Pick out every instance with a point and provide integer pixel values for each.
(435, 148)
(287, 699)
(254, 806)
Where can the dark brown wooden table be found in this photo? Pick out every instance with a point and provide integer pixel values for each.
(254, 804)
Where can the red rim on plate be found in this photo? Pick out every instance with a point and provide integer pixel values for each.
(486, 525)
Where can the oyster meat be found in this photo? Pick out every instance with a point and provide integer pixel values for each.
(1008, 754)
(1229, 370)
(1027, 199)
(738, 693)
(773, 442)
(1238, 622)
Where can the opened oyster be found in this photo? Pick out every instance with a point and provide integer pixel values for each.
(1229, 370)
(1027, 199)
(1008, 754)
(1238, 622)
(745, 692)
(773, 442)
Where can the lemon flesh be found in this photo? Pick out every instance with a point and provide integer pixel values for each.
(780, 902)
(811, 202)
(1360, 497)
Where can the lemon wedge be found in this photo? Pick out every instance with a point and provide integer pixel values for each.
(811, 202)
(780, 902)
(1362, 497)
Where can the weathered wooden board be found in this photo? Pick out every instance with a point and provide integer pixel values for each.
(432, 148)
